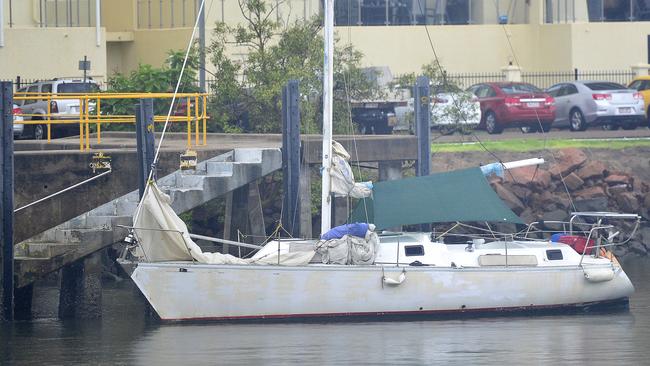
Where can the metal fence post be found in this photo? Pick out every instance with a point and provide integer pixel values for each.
(7, 200)
(291, 156)
(423, 125)
(145, 141)
(422, 108)
(575, 74)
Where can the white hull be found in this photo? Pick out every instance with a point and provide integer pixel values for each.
(188, 291)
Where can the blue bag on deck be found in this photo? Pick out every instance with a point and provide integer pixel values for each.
(357, 229)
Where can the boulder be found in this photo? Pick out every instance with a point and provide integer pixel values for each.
(567, 160)
(509, 198)
(589, 193)
(573, 181)
(528, 216)
(556, 215)
(531, 176)
(592, 170)
(646, 200)
(592, 204)
(521, 192)
(627, 202)
(615, 179)
(616, 190)
(637, 248)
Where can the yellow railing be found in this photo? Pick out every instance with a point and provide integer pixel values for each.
(89, 112)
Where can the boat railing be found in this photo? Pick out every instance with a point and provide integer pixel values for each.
(133, 241)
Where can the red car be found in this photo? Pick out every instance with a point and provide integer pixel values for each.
(512, 104)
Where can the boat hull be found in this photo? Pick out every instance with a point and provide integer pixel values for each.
(186, 291)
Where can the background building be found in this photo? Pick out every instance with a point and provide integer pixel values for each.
(47, 38)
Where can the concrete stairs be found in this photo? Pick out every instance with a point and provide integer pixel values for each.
(98, 228)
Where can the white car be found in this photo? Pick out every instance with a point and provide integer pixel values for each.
(19, 128)
(60, 109)
(451, 111)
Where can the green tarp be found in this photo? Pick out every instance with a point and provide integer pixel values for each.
(461, 195)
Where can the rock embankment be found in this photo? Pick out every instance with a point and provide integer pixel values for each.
(571, 181)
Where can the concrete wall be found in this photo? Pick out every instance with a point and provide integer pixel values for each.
(39, 53)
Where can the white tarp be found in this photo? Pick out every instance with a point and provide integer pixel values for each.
(343, 183)
(163, 236)
(349, 249)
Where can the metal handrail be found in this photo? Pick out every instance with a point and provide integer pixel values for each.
(196, 106)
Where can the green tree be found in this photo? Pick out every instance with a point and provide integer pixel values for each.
(248, 93)
(149, 79)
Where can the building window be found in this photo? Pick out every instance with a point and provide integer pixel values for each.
(618, 10)
(66, 13)
(402, 12)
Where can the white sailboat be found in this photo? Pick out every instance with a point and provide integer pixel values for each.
(385, 275)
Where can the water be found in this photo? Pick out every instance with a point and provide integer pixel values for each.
(124, 337)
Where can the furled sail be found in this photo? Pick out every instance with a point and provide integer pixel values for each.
(163, 236)
(343, 183)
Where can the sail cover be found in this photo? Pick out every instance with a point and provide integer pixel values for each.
(461, 195)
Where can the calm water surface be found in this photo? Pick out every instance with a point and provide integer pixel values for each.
(124, 337)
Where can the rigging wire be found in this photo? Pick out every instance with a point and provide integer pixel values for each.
(171, 106)
(474, 135)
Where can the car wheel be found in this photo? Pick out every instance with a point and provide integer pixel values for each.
(447, 130)
(546, 127)
(467, 129)
(39, 132)
(610, 127)
(577, 120)
(491, 124)
(630, 126)
(528, 129)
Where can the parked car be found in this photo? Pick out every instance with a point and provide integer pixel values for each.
(19, 128)
(453, 109)
(514, 104)
(375, 116)
(580, 104)
(642, 85)
(60, 109)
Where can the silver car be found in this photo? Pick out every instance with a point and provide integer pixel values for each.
(580, 104)
(19, 128)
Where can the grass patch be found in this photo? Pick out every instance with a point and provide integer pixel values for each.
(523, 145)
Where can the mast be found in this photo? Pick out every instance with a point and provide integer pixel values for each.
(328, 80)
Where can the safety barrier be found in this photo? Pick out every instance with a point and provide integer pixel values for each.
(89, 112)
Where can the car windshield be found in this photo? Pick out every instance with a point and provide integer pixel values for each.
(77, 88)
(604, 86)
(519, 88)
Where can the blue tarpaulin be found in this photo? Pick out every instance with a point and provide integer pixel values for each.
(357, 229)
